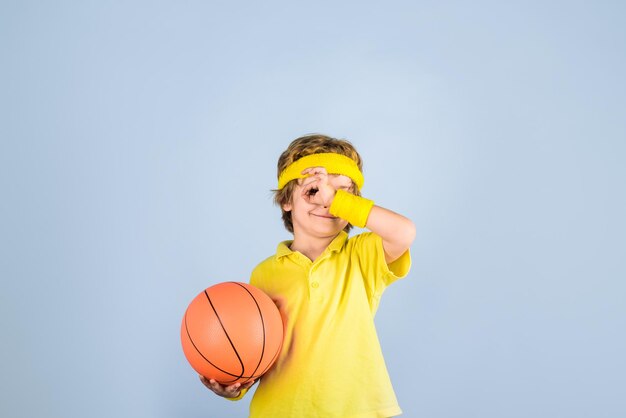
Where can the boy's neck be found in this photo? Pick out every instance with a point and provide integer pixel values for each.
(311, 247)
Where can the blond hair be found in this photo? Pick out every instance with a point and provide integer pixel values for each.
(301, 147)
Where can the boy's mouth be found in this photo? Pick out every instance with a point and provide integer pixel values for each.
(324, 216)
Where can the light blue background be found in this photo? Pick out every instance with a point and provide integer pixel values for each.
(139, 143)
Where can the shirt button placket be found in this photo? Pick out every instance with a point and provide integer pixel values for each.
(314, 284)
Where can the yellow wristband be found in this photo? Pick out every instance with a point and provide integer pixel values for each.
(354, 209)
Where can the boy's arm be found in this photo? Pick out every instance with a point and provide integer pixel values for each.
(397, 231)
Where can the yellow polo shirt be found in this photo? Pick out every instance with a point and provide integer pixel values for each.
(331, 364)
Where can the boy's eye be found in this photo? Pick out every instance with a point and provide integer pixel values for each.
(311, 192)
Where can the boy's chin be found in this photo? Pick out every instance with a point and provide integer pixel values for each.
(334, 230)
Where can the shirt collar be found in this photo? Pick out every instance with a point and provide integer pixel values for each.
(335, 245)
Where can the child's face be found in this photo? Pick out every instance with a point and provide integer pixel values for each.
(314, 220)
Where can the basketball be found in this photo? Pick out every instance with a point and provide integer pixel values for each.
(232, 332)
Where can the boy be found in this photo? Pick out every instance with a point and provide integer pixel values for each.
(327, 287)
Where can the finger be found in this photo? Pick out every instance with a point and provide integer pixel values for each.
(212, 385)
(218, 387)
(233, 387)
(314, 170)
(310, 174)
(309, 186)
(312, 195)
(318, 173)
(205, 381)
(341, 181)
(309, 180)
(248, 384)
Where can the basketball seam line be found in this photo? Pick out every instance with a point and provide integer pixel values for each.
(262, 323)
(200, 352)
(243, 367)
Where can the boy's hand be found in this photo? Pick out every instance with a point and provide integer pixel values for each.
(231, 391)
(319, 187)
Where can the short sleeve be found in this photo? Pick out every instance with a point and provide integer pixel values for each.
(377, 274)
(258, 274)
(255, 277)
(400, 267)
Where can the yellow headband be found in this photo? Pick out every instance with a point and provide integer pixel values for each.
(333, 163)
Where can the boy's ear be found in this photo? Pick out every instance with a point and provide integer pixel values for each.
(287, 207)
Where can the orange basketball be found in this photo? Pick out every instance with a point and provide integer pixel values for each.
(232, 332)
